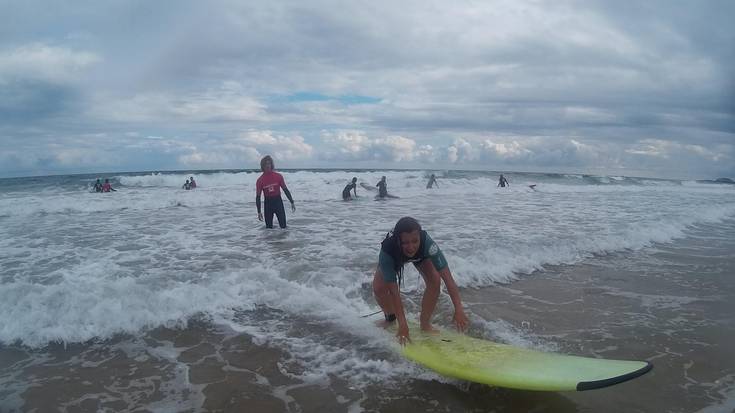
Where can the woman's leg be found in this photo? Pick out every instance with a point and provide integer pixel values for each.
(431, 294)
(382, 294)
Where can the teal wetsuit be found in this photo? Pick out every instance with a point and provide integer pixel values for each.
(427, 249)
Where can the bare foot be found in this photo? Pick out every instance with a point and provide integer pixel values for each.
(430, 329)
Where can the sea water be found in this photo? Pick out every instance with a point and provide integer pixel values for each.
(124, 272)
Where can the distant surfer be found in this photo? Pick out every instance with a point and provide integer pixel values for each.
(502, 182)
(192, 183)
(432, 181)
(187, 185)
(532, 186)
(409, 243)
(352, 186)
(383, 189)
(98, 186)
(270, 183)
(106, 187)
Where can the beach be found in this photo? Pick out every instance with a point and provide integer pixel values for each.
(158, 299)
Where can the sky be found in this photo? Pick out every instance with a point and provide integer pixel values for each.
(601, 87)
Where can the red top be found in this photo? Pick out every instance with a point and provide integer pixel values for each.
(106, 187)
(270, 183)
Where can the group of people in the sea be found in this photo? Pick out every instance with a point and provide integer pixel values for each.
(106, 187)
(190, 184)
(407, 242)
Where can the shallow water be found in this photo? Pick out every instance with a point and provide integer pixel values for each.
(166, 299)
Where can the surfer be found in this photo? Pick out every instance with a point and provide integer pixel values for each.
(98, 186)
(187, 185)
(432, 181)
(503, 182)
(382, 188)
(106, 187)
(192, 183)
(409, 243)
(351, 186)
(270, 183)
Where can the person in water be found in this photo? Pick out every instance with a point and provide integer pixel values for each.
(106, 187)
(432, 181)
(409, 243)
(192, 183)
(187, 185)
(351, 186)
(503, 182)
(270, 183)
(382, 188)
(98, 186)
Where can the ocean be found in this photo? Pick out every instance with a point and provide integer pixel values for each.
(154, 298)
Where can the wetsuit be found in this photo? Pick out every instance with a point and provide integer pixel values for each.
(382, 189)
(431, 183)
(390, 252)
(346, 192)
(98, 187)
(270, 183)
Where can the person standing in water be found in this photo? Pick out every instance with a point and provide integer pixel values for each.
(106, 187)
(503, 182)
(192, 183)
(432, 181)
(98, 186)
(351, 186)
(187, 185)
(270, 183)
(409, 243)
(382, 188)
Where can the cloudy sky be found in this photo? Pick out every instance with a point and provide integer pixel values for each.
(605, 87)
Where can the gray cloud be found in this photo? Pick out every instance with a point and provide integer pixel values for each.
(567, 84)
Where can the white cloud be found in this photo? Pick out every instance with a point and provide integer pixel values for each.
(357, 146)
(40, 61)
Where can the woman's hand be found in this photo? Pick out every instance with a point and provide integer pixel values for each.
(460, 319)
(260, 216)
(293, 207)
(402, 334)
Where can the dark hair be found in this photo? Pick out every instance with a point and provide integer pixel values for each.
(392, 243)
(354, 179)
(263, 161)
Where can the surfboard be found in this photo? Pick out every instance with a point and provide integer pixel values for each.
(368, 187)
(483, 361)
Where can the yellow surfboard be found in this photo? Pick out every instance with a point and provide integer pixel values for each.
(482, 361)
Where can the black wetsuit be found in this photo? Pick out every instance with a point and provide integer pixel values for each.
(382, 189)
(274, 205)
(348, 188)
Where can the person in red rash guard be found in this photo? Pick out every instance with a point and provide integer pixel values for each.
(270, 183)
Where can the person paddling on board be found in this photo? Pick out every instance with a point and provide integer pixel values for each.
(503, 182)
(270, 183)
(351, 186)
(409, 243)
(432, 181)
(106, 187)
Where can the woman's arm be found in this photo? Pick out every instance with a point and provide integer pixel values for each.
(460, 319)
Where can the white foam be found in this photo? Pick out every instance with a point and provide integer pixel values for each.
(77, 265)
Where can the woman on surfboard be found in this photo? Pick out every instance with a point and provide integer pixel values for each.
(409, 243)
